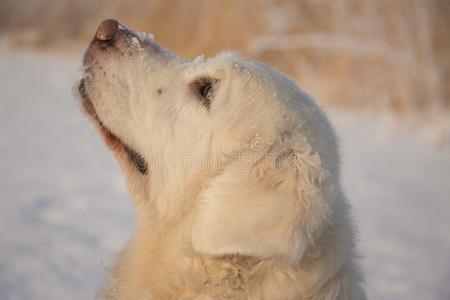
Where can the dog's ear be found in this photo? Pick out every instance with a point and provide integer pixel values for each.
(271, 208)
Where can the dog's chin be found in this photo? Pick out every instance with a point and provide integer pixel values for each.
(111, 140)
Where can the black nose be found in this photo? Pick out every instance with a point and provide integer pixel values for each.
(107, 30)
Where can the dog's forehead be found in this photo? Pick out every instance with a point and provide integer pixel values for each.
(217, 65)
(223, 60)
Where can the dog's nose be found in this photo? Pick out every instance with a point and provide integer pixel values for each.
(107, 30)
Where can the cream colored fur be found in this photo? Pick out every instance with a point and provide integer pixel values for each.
(242, 200)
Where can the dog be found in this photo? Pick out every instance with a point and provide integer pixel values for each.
(233, 170)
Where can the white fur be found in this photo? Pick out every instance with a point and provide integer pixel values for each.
(242, 201)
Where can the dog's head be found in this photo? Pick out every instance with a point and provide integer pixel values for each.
(229, 144)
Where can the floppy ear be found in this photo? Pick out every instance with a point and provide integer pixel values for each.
(271, 208)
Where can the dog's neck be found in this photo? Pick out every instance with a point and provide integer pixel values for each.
(159, 198)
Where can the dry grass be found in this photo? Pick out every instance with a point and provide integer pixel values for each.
(380, 53)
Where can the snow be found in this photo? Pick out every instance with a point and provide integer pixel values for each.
(399, 186)
(65, 213)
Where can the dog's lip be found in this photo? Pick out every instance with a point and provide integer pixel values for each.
(86, 100)
(90, 109)
(138, 161)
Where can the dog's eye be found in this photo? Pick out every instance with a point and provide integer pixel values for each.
(204, 89)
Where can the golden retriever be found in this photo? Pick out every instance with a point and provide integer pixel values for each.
(233, 170)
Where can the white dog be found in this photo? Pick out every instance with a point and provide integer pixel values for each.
(234, 172)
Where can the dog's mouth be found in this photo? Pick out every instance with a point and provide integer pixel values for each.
(112, 141)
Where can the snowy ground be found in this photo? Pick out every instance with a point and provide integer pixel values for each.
(64, 211)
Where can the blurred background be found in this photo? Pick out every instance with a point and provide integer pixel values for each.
(398, 52)
(380, 68)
